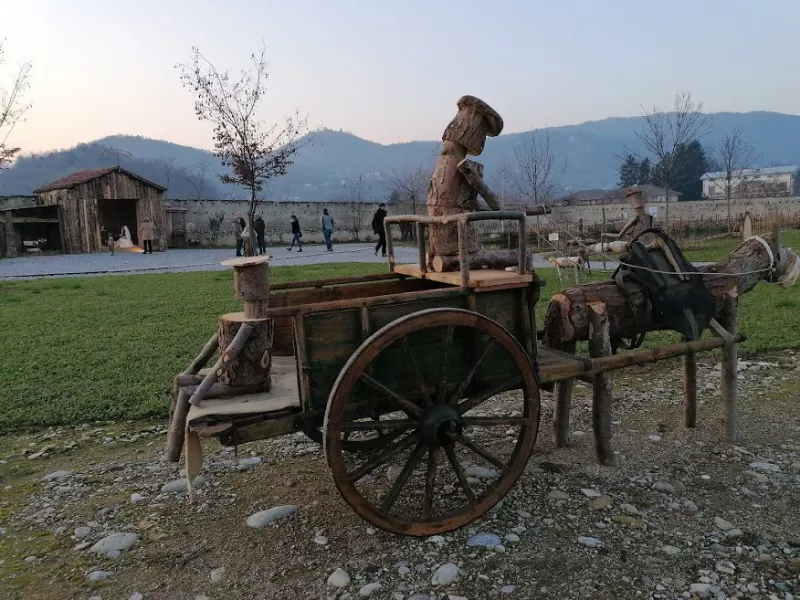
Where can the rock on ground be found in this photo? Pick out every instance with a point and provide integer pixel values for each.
(339, 578)
(265, 517)
(116, 542)
(446, 574)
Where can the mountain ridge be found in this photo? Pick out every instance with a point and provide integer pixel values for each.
(324, 169)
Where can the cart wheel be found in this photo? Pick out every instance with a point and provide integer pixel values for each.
(460, 395)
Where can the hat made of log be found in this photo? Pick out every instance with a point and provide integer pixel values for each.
(492, 116)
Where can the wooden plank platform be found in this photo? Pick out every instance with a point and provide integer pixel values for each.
(479, 279)
(553, 364)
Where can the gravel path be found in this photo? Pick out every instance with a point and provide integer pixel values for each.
(172, 261)
(92, 512)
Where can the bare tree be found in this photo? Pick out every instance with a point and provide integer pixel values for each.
(12, 106)
(662, 134)
(536, 173)
(411, 183)
(356, 206)
(197, 178)
(253, 150)
(735, 154)
(167, 169)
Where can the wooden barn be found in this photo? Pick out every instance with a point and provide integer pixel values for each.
(109, 199)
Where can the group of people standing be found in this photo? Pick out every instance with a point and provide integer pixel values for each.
(242, 232)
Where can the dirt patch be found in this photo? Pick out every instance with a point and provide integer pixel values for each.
(656, 533)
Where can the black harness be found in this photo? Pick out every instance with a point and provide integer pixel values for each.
(675, 301)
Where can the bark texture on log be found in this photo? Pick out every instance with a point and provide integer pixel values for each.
(487, 259)
(563, 395)
(449, 194)
(567, 316)
(475, 120)
(600, 345)
(730, 369)
(251, 366)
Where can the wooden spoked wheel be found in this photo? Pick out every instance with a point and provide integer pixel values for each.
(460, 396)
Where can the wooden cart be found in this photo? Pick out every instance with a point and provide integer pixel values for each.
(423, 387)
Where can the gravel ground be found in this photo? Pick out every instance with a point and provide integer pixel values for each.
(128, 263)
(85, 512)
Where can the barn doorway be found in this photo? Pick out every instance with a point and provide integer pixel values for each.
(113, 214)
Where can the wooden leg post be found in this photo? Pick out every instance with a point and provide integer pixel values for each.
(177, 427)
(729, 365)
(600, 345)
(563, 393)
(690, 389)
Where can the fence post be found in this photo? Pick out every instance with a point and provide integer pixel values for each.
(602, 237)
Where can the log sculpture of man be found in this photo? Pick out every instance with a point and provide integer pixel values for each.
(638, 223)
(456, 180)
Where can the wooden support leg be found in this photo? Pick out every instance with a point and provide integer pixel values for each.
(600, 345)
(177, 428)
(729, 365)
(563, 393)
(690, 389)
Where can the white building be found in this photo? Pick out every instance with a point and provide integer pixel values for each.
(751, 183)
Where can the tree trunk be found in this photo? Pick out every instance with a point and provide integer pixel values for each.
(666, 211)
(728, 201)
(449, 194)
(485, 259)
(567, 317)
(250, 248)
(251, 367)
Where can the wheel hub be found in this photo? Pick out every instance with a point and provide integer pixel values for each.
(442, 425)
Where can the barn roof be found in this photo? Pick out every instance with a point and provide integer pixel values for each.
(70, 181)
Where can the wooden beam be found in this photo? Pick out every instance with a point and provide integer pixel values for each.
(730, 365)
(563, 394)
(600, 346)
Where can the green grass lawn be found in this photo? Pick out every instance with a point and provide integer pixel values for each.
(718, 249)
(97, 348)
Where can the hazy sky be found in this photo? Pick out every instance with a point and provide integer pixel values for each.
(392, 70)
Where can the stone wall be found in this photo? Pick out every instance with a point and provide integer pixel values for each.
(353, 220)
(686, 211)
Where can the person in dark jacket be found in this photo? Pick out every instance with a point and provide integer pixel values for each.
(377, 227)
(238, 231)
(260, 229)
(296, 234)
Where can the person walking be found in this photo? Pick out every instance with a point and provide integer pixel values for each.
(261, 228)
(147, 232)
(238, 230)
(327, 229)
(296, 234)
(377, 227)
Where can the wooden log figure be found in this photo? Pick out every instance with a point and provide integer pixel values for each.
(567, 317)
(640, 221)
(457, 181)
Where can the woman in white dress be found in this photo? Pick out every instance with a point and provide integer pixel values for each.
(124, 240)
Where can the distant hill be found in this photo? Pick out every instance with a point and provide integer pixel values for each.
(323, 169)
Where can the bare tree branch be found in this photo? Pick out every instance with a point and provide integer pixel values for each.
(254, 150)
(536, 173)
(12, 106)
(411, 182)
(735, 154)
(197, 178)
(662, 134)
(167, 169)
